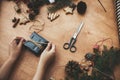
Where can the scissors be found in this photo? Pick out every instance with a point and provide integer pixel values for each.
(70, 45)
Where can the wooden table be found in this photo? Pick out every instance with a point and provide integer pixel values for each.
(98, 25)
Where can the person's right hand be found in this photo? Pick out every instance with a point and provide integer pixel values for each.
(48, 54)
(15, 48)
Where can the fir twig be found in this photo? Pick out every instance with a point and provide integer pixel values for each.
(108, 76)
(59, 5)
(106, 60)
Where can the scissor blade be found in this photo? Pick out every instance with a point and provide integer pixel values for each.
(78, 30)
(80, 27)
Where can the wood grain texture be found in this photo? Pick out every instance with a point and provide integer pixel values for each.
(98, 25)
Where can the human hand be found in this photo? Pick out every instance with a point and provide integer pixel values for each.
(45, 59)
(48, 54)
(15, 48)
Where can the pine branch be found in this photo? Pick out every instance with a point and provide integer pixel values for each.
(104, 63)
(106, 75)
(106, 60)
(59, 5)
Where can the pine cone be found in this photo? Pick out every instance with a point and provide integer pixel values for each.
(81, 7)
(72, 68)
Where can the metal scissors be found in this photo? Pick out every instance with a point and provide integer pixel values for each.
(70, 45)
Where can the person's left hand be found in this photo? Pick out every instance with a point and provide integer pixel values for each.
(15, 48)
(48, 54)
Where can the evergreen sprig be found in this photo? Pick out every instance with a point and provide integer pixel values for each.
(106, 60)
(59, 5)
(104, 63)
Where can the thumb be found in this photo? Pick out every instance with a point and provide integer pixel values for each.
(48, 47)
(53, 48)
(21, 42)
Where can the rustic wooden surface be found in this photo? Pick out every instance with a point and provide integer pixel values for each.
(98, 25)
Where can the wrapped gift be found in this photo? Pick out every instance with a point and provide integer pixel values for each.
(37, 43)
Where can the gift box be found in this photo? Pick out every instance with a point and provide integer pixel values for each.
(37, 43)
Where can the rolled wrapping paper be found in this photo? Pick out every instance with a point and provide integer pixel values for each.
(117, 5)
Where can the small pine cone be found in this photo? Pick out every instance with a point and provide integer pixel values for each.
(72, 68)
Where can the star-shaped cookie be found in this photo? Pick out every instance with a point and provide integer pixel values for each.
(68, 10)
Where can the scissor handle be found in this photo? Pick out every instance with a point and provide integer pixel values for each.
(73, 49)
(72, 42)
(66, 46)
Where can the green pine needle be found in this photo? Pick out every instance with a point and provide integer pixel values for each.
(104, 63)
(59, 5)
